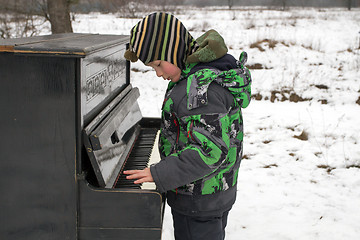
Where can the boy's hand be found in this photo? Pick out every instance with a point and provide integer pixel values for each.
(141, 175)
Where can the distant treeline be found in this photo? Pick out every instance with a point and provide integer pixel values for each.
(277, 3)
(113, 5)
(22, 18)
(84, 6)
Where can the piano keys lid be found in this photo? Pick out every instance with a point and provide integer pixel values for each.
(109, 137)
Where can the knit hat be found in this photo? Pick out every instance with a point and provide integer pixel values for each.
(160, 36)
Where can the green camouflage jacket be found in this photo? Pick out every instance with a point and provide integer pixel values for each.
(201, 135)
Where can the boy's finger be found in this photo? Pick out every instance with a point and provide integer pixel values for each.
(131, 171)
(134, 176)
(139, 181)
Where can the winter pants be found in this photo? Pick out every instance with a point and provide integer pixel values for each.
(199, 228)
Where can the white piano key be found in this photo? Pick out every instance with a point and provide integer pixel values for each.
(154, 158)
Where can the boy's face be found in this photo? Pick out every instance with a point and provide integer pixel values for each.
(166, 70)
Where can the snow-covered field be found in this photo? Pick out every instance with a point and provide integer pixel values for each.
(300, 177)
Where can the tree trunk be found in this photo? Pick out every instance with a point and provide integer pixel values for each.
(59, 16)
(230, 4)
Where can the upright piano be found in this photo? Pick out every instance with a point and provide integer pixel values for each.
(70, 124)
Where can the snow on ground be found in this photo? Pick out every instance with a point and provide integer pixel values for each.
(300, 176)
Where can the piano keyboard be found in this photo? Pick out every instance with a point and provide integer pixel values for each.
(144, 153)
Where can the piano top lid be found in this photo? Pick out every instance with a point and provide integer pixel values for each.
(74, 44)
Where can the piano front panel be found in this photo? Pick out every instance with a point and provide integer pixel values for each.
(103, 77)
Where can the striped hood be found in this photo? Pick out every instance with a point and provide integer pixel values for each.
(160, 36)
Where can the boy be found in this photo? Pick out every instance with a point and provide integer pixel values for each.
(202, 129)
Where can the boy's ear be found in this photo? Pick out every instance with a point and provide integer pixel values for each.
(131, 56)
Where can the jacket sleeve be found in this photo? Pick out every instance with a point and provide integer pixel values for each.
(207, 144)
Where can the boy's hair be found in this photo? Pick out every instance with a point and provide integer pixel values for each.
(160, 36)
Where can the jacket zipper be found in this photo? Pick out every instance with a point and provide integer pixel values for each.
(190, 130)
(177, 139)
(178, 131)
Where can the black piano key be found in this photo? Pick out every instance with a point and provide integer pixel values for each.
(138, 158)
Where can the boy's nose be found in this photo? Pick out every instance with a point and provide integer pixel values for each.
(158, 73)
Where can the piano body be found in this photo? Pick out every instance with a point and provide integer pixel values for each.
(70, 124)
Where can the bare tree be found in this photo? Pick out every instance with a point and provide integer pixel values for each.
(230, 3)
(281, 3)
(24, 18)
(59, 16)
(19, 18)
